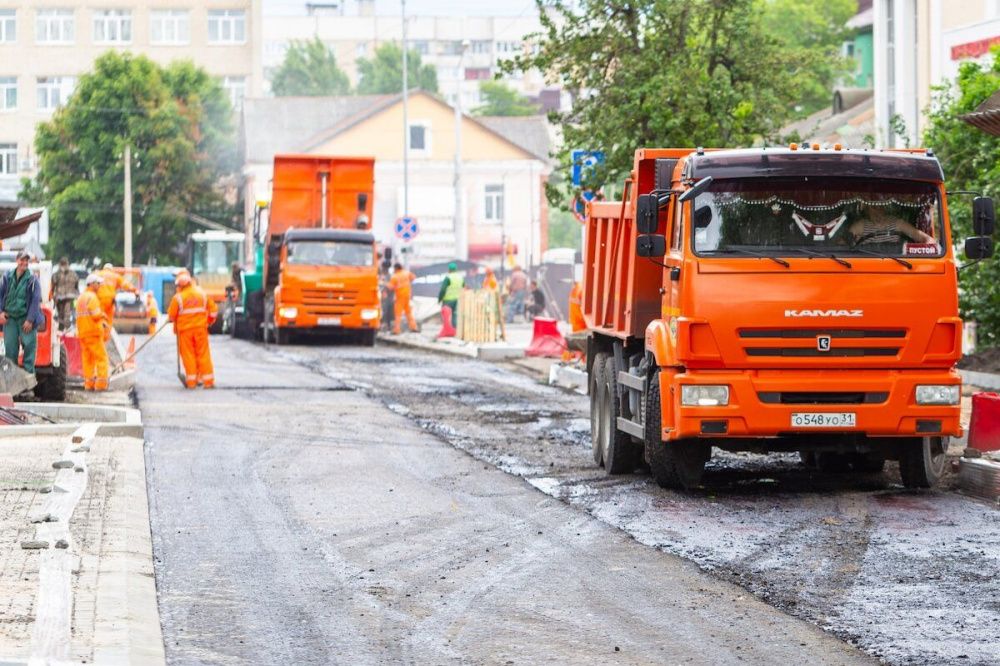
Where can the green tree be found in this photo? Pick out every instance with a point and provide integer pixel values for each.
(702, 72)
(178, 123)
(383, 74)
(971, 161)
(309, 69)
(564, 230)
(499, 99)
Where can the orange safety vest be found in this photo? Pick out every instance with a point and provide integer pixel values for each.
(151, 310)
(401, 283)
(90, 318)
(191, 309)
(576, 319)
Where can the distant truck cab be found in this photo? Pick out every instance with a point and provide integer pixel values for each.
(776, 300)
(210, 259)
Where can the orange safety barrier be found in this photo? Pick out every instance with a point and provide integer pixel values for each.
(447, 330)
(546, 340)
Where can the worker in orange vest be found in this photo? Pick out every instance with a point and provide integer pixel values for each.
(576, 320)
(401, 285)
(192, 313)
(113, 283)
(152, 311)
(490, 280)
(93, 329)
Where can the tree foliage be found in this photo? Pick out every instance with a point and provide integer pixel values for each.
(309, 69)
(971, 161)
(178, 122)
(383, 74)
(499, 99)
(664, 73)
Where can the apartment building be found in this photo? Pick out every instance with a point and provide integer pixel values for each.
(919, 44)
(464, 50)
(45, 45)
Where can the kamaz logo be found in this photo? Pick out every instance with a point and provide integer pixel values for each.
(824, 313)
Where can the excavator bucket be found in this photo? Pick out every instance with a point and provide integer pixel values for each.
(13, 379)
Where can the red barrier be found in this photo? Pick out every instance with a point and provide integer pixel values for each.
(447, 330)
(984, 429)
(74, 354)
(546, 339)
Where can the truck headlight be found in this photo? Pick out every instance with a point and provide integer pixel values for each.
(704, 396)
(938, 395)
(368, 314)
(288, 312)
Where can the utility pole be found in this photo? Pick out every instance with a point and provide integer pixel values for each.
(461, 230)
(128, 206)
(406, 121)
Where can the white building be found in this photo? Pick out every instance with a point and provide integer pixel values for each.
(920, 44)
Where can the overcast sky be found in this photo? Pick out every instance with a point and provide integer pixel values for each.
(419, 7)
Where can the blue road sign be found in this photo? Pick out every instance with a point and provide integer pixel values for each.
(407, 228)
(585, 161)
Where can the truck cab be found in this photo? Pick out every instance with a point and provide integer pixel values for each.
(210, 257)
(776, 300)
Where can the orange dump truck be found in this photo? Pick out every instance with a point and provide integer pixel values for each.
(776, 300)
(319, 259)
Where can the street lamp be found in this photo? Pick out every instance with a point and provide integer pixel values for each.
(461, 230)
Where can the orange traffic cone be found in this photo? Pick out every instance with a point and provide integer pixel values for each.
(447, 330)
(130, 355)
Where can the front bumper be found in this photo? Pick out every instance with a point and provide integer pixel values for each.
(756, 407)
(342, 319)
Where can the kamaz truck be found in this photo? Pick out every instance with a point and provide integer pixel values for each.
(776, 300)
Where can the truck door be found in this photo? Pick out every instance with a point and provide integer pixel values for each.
(674, 259)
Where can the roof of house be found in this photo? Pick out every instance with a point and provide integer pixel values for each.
(987, 115)
(531, 133)
(854, 127)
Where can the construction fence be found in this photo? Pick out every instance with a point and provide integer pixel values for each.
(480, 317)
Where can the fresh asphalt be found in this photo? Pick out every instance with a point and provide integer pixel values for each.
(301, 515)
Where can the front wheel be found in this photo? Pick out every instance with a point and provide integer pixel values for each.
(675, 464)
(922, 461)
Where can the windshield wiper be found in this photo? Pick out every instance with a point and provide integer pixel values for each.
(842, 262)
(750, 253)
(871, 253)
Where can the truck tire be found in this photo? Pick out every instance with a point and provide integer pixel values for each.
(367, 338)
(922, 461)
(619, 452)
(596, 388)
(679, 464)
(51, 386)
(282, 336)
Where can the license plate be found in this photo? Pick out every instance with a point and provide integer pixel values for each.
(329, 321)
(823, 420)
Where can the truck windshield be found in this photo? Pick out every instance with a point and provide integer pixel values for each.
(803, 216)
(215, 257)
(330, 253)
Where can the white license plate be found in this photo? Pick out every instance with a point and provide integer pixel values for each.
(823, 420)
(329, 321)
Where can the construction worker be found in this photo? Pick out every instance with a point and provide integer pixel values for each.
(490, 280)
(113, 283)
(21, 312)
(576, 320)
(401, 286)
(152, 311)
(451, 289)
(93, 329)
(65, 289)
(192, 313)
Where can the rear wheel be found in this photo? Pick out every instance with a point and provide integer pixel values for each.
(51, 386)
(677, 464)
(922, 461)
(619, 452)
(597, 384)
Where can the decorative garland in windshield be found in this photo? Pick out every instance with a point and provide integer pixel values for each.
(843, 202)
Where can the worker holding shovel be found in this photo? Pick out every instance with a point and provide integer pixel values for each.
(192, 313)
(93, 329)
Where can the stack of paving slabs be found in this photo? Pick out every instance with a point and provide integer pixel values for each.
(13, 379)
(979, 474)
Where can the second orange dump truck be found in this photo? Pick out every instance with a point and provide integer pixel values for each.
(776, 300)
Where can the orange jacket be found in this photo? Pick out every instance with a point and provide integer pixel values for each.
(191, 308)
(575, 308)
(113, 283)
(91, 321)
(151, 309)
(401, 283)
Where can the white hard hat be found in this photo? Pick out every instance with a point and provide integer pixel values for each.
(93, 278)
(108, 265)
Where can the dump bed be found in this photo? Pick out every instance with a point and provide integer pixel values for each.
(621, 292)
(297, 192)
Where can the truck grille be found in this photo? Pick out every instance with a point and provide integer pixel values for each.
(786, 333)
(807, 348)
(324, 302)
(822, 397)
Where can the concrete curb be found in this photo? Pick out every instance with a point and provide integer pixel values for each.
(986, 380)
(111, 421)
(487, 352)
(569, 377)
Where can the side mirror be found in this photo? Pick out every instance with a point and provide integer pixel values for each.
(983, 216)
(362, 201)
(696, 189)
(979, 247)
(702, 217)
(651, 245)
(647, 213)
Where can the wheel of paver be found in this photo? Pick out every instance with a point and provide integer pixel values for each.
(53, 387)
(922, 461)
(595, 389)
(678, 464)
(618, 450)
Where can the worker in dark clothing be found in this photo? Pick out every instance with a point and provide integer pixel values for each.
(21, 312)
(65, 289)
(537, 306)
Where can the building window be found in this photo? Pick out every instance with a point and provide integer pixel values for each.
(170, 26)
(451, 47)
(113, 26)
(361, 50)
(236, 87)
(508, 47)
(53, 91)
(8, 93)
(54, 26)
(421, 46)
(227, 26)
(481, 46)
(8, 159)
(477, 73)
(493, 203)
(8, 25)
(420, 137)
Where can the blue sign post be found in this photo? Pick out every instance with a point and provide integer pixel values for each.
(584, 163)
(407, 228)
